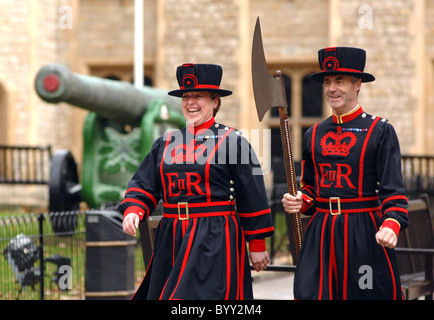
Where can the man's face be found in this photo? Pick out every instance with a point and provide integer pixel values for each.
(341, 92)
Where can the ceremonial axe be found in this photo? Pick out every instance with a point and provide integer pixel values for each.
(269, 92)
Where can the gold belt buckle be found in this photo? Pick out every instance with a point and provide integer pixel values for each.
(186, 210)
(339, 206)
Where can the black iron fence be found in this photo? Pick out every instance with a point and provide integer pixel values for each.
(42, 256)
(418, 174)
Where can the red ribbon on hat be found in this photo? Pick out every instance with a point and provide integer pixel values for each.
(202, 86)
(343, 69)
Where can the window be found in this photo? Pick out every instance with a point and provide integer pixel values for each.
(112, 77)
(146, 81)
(311, 98)
(124, 72)
(275, 111)
(305, 108)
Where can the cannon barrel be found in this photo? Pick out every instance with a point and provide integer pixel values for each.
(118, 101)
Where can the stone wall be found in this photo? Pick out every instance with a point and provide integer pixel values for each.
(291, 29)
(388, 40)
(399, 42)
(106, 31)
(203, 31)
(31, 37)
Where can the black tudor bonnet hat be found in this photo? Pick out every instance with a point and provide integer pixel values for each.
(199, 77)
(342, 60)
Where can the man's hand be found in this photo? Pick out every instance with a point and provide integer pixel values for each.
(131, 223)
(292, 204)
(260, 260)
(386, 237)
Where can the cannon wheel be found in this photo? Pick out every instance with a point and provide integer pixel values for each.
(64, 190)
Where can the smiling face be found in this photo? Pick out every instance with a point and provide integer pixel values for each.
(341, 92)
(198, 106)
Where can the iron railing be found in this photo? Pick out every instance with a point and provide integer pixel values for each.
(42, 256)
(418, 174)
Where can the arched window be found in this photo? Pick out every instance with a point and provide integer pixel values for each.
(123, 72)
(112, 77)
(305, 108)
(275, 111)
(311, 98)
(147, 81)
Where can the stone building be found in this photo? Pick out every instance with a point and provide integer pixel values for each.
(95, 37)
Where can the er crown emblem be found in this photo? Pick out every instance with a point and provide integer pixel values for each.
(338, 144)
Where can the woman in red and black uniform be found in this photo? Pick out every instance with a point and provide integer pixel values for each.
(352, 185)
(214, 200)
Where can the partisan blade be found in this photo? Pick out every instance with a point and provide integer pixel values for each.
(267, 90)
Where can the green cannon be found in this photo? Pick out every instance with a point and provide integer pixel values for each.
(118, 132)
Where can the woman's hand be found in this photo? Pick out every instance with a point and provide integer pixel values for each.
(260, 260)
(131, 223)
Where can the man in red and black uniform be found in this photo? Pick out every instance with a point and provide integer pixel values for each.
(352, 186)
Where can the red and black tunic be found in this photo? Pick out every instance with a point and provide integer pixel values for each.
(214, 200)
(352, 184)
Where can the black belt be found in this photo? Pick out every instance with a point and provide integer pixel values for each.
(186, 210)
(338, 205)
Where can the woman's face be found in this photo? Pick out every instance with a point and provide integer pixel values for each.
(198, 107)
